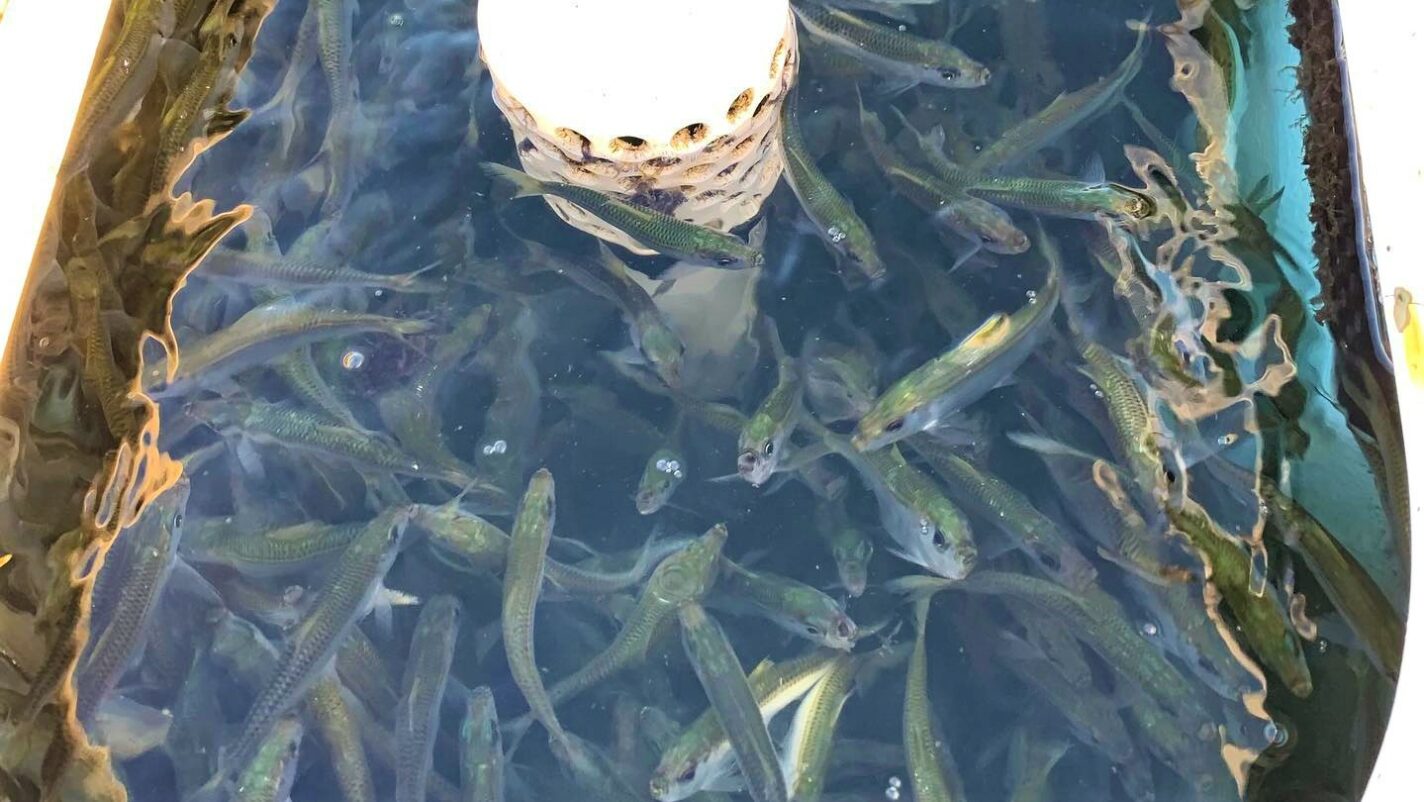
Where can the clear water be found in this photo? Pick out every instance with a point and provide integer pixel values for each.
(1036, 694)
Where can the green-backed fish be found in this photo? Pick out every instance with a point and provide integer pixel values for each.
(700, 757)
(523, 581)
(997, 501)
(720, 673)
(830, 212)
(927, 528)
(924, 397)
(979, 222)
(653, 229)
(933, 776)
(901, 57)
(152, 547)
(684, 576)
(794, 606)
(273, 769)
(1264, 621)
(761, 446)
(432, 648)
(481, 750)
(261, 335)
(662, 475)
(850, 547)
(1066, 112)
(343, 600)
(840, 381)
(329, 713)
(806, 751)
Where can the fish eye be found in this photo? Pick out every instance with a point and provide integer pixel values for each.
(950, 73)
(769, 448)
(726, 261)
(813, 630)
(178, 519)
(940, 541)
(895, 425)
(687, 774)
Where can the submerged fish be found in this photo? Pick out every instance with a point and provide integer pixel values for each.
(523, 581)
(653, 229)
(1003, 505)
(700, 758)
(806, 751)
(343, 600)
(481, 750)
(761, 447)
(849, 545)
(151, 547)
(328, 708)
(432, 648)
(720, 673)
(684, 576)
(796, 607)
(924, 397)
(662, 475)
(901, 57)
(1066, 112)
(259, 336)
(274, 768)
(1263, 620)
(933, 776)
(830, 212)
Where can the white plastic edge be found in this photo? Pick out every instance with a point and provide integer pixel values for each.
(46, 49)
(1384, 50)
(644, 68)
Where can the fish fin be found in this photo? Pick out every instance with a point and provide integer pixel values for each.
(381, 613)
(1093, 171)
(725, 478)
(969, 253)
(757, 236)
(1048, 446)
(937, 138)
(176, 60)
(916, 586)
(1161, 576)
(223, 121)
(890, 89)
(610, 260)
(524, 185)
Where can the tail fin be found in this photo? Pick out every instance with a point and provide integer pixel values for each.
(525, 185)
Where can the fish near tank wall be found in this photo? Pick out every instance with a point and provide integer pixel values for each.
(1096, 498)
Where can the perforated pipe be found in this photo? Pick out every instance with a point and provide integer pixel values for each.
(670, 103)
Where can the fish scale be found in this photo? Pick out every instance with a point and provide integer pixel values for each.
(343, 600)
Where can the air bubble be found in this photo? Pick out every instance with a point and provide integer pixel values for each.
(1149, 629)
(836, 234)
(497, 447)
(396, 20)
(353, 360)
(895, 782)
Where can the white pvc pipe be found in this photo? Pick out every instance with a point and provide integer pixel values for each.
(46, 49)
(1383, 44)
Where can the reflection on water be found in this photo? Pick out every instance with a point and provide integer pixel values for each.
(997, 477)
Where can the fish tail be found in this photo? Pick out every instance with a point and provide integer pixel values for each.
(525, 185)
(918, 586)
